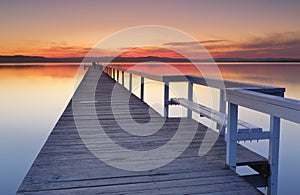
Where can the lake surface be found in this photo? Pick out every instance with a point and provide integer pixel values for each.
(34, 96)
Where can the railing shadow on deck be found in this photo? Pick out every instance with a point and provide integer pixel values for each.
(266, 99)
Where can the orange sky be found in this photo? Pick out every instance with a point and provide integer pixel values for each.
(248, 29)
(150, 51)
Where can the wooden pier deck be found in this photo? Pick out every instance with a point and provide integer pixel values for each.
(66, 166)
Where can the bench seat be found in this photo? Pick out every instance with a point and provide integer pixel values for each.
(246, 131)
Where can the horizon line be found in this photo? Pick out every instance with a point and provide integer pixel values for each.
(39, 59)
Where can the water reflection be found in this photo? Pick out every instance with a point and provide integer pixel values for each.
(284, 75)
(32, 99)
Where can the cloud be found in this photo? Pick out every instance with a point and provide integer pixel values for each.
(181, 44)
(273, 45)
(273, 40)
(213, 41)
(149, 51)
(195, 49)
(63, 49)
(193, 43)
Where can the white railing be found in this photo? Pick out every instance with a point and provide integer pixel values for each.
(276, 107)
(118, 73)
(266, 99)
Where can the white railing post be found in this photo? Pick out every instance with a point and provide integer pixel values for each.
(166, 99)
(222, 109)
(130, 82)
(117, 75)
(114, 74)
(273, 154)
(123, 78)
(231, 144)
(190, 98)
(142, 88)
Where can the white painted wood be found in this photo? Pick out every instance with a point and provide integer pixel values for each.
(130, 82)
(285, 108)
(142, 88)
(123, 79)
(219, 84)
(190, 98)
(244, 94)
(222, 109)
(117, 75)
(151, 76)
(242, 136)
(247, 130)
(274, 154)
(166, 100)
(231, 144)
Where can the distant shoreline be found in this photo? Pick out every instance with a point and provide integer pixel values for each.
(40, 59)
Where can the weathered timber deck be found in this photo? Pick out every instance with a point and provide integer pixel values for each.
(66, 166)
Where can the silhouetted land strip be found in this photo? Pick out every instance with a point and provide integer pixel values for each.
(36, 59)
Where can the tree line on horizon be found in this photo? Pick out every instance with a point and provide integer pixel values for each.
(33, 59)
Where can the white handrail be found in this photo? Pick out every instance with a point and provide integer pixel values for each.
(276, 107)
(281, 107)
(267, 99)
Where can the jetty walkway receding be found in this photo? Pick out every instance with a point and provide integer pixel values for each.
(67, 165)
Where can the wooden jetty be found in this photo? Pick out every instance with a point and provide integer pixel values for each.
(65, 165)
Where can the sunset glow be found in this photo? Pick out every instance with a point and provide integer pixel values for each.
(151, 51)
(228, 29)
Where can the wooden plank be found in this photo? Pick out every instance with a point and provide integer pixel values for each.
(66, 166)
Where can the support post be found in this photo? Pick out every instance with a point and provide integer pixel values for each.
(130, 82)
(231, 144)
(123, 78)
(274, 154)
(114, 74)
(142, 88)
(222, 109)
(166, 99)
(190, 98)
(117, 75)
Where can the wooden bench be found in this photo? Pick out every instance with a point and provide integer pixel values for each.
(246, 131)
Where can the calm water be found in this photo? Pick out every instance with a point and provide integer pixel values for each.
(33, 97)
